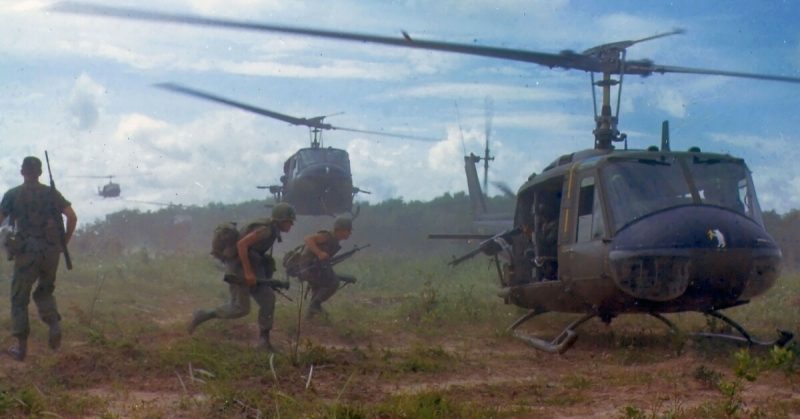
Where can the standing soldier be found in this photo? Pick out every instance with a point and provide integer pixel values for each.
(34, 211)
(248, 274)
(319, 248)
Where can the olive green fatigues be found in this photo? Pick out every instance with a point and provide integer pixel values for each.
(238, 304)
(324, 282)
(33, 208)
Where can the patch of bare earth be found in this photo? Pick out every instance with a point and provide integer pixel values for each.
(595, 379)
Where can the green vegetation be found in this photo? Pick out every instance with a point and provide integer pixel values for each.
(412, 338)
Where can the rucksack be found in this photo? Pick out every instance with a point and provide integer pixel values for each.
(291, 260)
(223, 243)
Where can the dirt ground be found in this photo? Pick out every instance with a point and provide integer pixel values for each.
(608, 373)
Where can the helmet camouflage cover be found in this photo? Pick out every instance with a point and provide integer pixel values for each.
(343, 223)
(283, 212)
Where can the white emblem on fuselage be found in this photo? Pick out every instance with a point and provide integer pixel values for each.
(715, 234)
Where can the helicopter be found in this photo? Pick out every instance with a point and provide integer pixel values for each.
(606, 231)
(110, 189)
(316, 180)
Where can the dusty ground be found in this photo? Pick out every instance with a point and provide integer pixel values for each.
(609, 373)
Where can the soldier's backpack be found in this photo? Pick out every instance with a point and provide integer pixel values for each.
(291, 260)
(223, 243)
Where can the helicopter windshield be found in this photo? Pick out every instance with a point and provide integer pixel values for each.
(317, 156)
(638, 187)
(725, 183)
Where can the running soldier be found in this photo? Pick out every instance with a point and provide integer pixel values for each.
(249, 273)
(35, 211)
(315, 270)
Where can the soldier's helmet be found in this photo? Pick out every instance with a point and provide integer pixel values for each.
(31, 166)
(283, 212)
(343, 223)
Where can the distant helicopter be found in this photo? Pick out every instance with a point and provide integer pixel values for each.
(316, 180)
(110, 189)
(604, 232)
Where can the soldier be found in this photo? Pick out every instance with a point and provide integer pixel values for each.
(248, 274)
(34, 210)
(320, 247)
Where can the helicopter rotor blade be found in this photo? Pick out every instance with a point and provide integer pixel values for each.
(507, 191)
(548, 59)
(621, 45)
(587, 61)
(315, 122)
(647, 68)
(386, 134)
(161, 204)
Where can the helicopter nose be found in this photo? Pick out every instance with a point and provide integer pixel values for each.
(695, 253)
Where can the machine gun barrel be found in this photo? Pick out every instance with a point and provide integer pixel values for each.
(62, 234)
(491, 246)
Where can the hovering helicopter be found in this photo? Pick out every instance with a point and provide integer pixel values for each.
(606, 231)
(316, 180)
(110, 189)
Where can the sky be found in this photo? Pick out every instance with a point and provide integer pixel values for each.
(82, 89)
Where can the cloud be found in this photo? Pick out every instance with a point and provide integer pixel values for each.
(672, 102)
(442, 155)
(84, 102)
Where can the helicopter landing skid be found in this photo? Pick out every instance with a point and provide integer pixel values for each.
(783, 338)
(560, 344)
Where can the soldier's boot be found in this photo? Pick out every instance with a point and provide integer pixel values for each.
(19, 350)
(263, 342)
(54, 337)
(198, 318)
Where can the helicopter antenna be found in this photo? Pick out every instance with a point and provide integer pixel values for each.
(488, 108)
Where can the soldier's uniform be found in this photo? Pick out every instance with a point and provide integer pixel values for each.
(32, 209)
(321, 278)
(263, 265)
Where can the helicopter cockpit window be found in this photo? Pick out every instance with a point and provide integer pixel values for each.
(725, 183)
(338, 158)
(590, 217)
(638, 187)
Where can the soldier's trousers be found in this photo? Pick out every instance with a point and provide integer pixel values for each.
(39, 268)
(238, 304)
(324, 283)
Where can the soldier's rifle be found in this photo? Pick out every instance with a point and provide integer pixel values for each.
(276, 284)
(62, 234)
(332, 261)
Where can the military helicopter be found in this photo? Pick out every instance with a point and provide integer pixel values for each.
(316, 180)
(110, 189)
(606, 231)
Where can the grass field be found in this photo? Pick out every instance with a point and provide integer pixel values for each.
(411, 339)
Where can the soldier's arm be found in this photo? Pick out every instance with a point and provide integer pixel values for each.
(243, 247)
(312, 243)
(72, 221)
(2, 217)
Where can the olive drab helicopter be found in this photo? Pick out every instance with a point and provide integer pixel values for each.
(110, 189)
(316, 180)
(606, 231)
